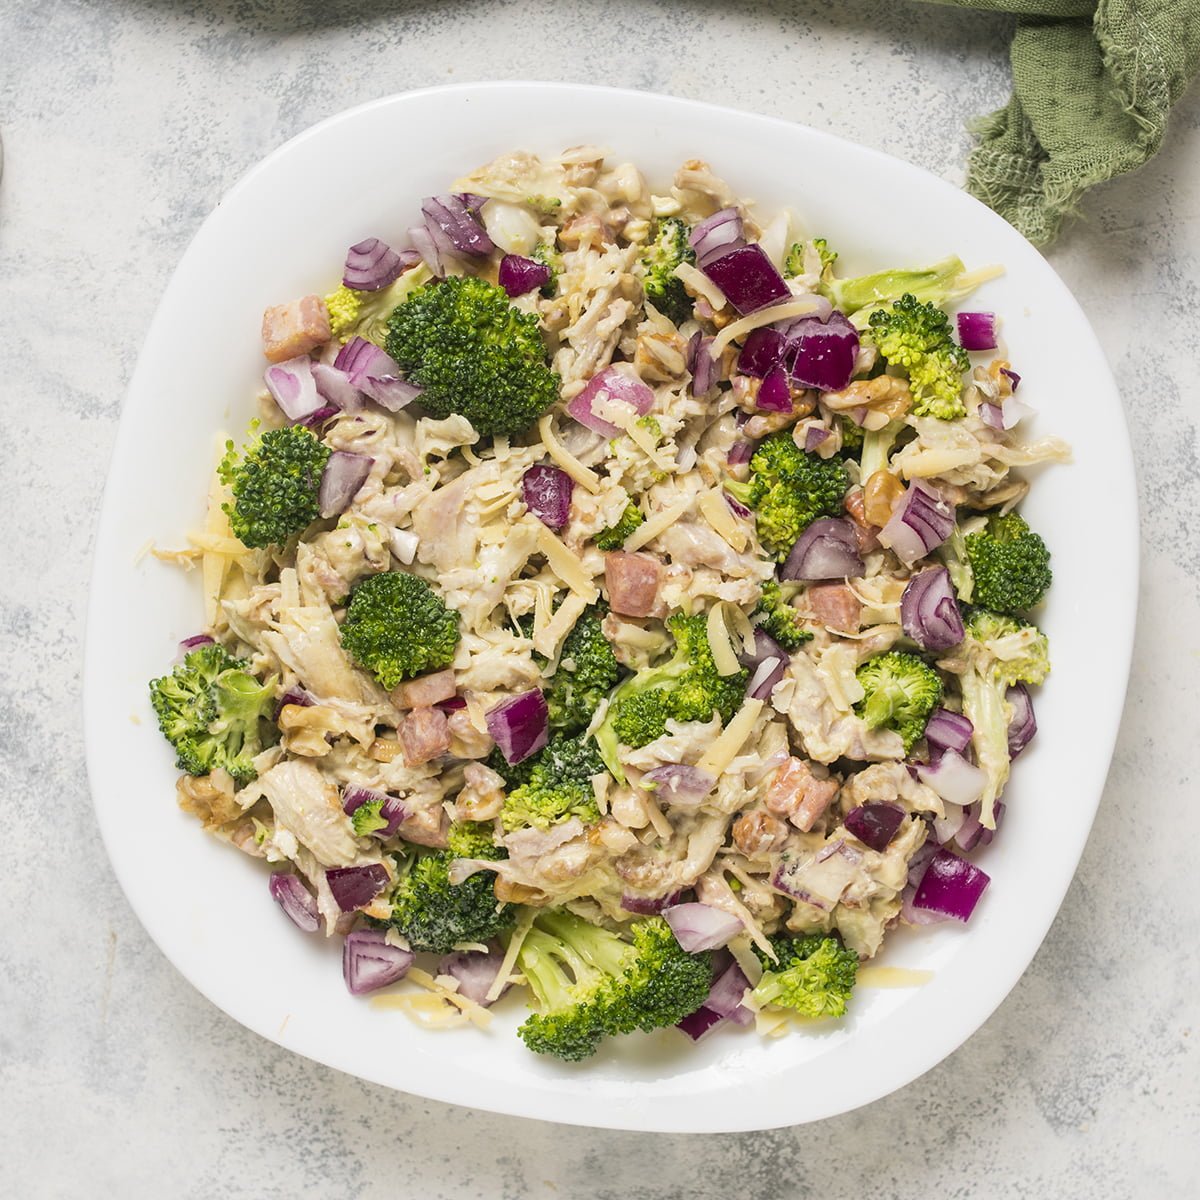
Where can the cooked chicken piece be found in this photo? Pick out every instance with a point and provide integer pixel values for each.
(309, 808)
(424, 735)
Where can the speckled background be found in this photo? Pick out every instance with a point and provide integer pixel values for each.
(124, 121)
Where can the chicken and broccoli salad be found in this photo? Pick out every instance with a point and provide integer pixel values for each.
(614, 600)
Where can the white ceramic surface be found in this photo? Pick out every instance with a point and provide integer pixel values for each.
(281, 232)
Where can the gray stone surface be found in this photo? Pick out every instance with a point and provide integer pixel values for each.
(124, 121)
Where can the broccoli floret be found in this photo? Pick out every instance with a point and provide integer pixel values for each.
(365, 314)
(789, 489)
(613, 538)
(778, 618)
(591, 983)
(587, 672)
(558, 787)
(900, 691)
(852, 435)
(1009, 563)
(548, 256)
(998, 652)
(688, 687)
(367, 818)
(917, 337)
(941, 283)
(274, 485)
(793, 263)
(474, 354)
(663, 289)
(813, 976)
(877, 448)
(513, 774)
(212, 710)
(435, 914)
(397, 627)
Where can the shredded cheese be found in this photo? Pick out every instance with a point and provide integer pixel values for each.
(802, 307)
(892, 977)
(584, 476)
(600, 791)
(723, 751)
(186, 559)
(719, 643)
(548, 640)
(518, 936)
(651, 527)
(442, 1008)
(658, 821)
(718, 515)
(566, 564)
(700, 283)
(215, 566)
(739, 625)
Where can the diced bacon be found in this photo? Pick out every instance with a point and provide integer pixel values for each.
(835, 605)
(632, 581)
(428, 826)
(864, 531)
(295, 328)
(424, 735)
(797, 794)
(425, 691)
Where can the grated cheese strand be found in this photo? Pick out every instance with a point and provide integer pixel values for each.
(696, 281)
(566, 564)
(719, 643)
(649, 529)
(519, 933)
(717, 514)
(584, 476)
(802, 307)
(723, 751)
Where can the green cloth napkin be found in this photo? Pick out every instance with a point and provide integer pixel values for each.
(1093, 85)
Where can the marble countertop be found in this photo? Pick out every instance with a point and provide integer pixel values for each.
(123, 124)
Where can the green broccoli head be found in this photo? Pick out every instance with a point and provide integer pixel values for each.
(558, 786)
(1006, 647)
(793, 263)
(365, 314)
(591, 983)
(940, 283)
(474, 354)
(613, 538)
(813, 976)
(214, 713)
(435, 914)
(1010, 565)
(587, 672)
(548, 256)
(778, 618)
(687, 687)
(664, 289)
(397, 627)
(917, 337)
(275, 485)
(789, 489)
(900, 691)
(852, 435)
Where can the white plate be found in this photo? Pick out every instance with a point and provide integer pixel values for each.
(282, 232)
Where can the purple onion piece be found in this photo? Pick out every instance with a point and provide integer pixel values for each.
(354, 887)
(875, 824)
(354, 797)
(920, 523)
(360, 359)
(296, 900)
(918, 916)
(766, 665)
(929, 611)
(992, 415)
(314, 421)
(699, 927)
(764, 348)
(194, 643)
(678, 783)
(824, 352)
(391, 391)
(335, 387)
(293, 387)
(826, 550)
(519, 275)
(1013, 378)
(945, 828)
(955, 780)
(427, 248)
(453, 227)
(970, 832)
(739, 452)
(369, 962)
(475, 971)
(701, 364)
(698, 1023)
(648, 906)
(977, 330)
(815, 436)
(611, 384)
(946, 730)
(951, 886)
(344, 475)
(371, 265)
(747, 277)
(716, 234)
(292, 696)
(519, 726)
(774, 395)
(1022, 724)
(726, 995)
(547, 493)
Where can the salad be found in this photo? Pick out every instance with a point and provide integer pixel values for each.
(614, 601)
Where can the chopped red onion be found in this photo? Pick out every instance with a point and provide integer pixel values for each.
(194, 643)
(390, 391)
(335, 386)
(354, 797)
(815, 436)
(950, 886)
(827, 549)
(955, 780)
(354, 887)
(296, 900)
(918, 916)
(519, 275)
(920, 523)
(292, 696)
(875, 824)
(701, 364)
(314, 421)
(1006, 414)
(717, 234)
(391, 808)
(727, 993)
(739, 452)
(697, 1024)
(476, 971)
(648, 906)
(991, 415)
(946, 730)
(452, 705)
(369, 962)
(945, 828)
(774, 395)
(977, 330)
(825, 352)
(293, 387)
(427, 248)
(344, 475)
(764, 348)
(969, 833)
(448, 218)
(1022, 725)
(929, 611)
(700, 927)
(678, 782)
(747, 277)
(547, 493)
(360, 360)
(371, 265)
(767, 665)
(404, 545)
(614, 385)
(1012, 376)
(519, 726)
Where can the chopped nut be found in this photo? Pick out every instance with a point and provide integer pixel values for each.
(757, 833)
(384, 750)
(209, 797)
(881, 494)
(884, 394)
(305, 728)
(518, 893)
